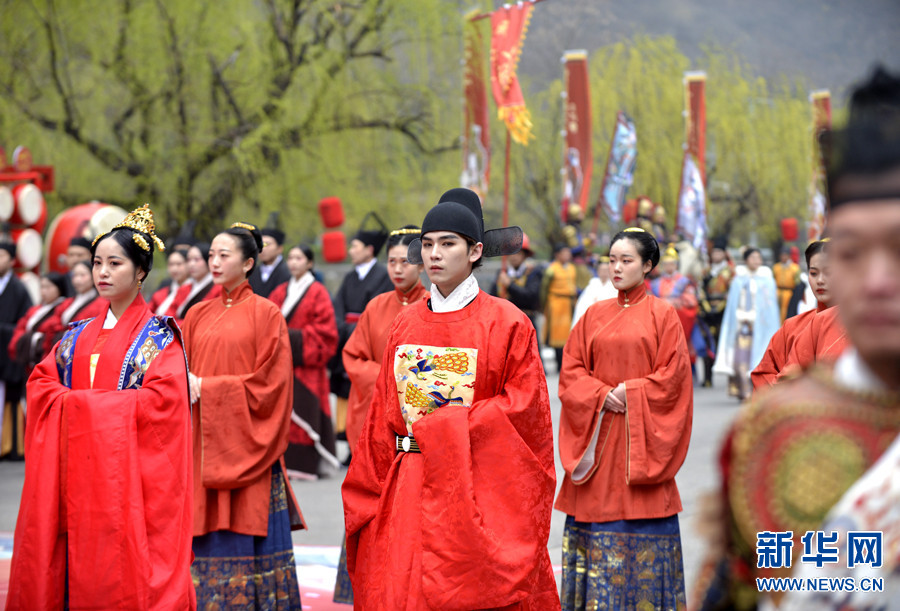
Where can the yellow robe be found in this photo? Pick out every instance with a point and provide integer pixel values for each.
(560, 302)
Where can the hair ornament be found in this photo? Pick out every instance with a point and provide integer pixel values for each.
(634, 230)
(246, 226)
(139, 220)
(409, 231)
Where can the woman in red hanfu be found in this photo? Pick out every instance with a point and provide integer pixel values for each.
(199, 287)
(85, 304)
(241, 384)
(776, 355)
(365, 348)
(105, 516)
(306, 306)
(448, 497)
(32, 337)
(625, 426)
(164, 300)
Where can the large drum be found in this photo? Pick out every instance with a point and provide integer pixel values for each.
(7, 203)
(86, 220)
(30, 205)
(28, 247)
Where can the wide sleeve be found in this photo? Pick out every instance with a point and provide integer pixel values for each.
(488, 486)
(729, 330)
(124, 489)
(772, 362)
(659, 408)
(362, 366)
(582, 396)
(247, 431)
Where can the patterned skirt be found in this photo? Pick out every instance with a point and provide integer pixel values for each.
(343, 589)
(235, 571)
(625, 564)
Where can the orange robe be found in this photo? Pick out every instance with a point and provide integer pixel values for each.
(559, 306)
(629, 471)
(823, 340)
(107, 480)
(776, 355)
(786, 276)
(464, 524)
(365, 349)
(238, 344)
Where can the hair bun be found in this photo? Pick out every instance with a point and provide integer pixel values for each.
(254, 232)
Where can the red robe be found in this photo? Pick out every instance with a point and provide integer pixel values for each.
(823, 340)
(45, 326)
(160, 295)
(463, 524)
(631, 474)
(109, 471)
(365, 349)
(92, 309)
(312, 329)
(776, 355)
(238, 345)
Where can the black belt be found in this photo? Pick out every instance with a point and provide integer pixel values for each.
(408, 444)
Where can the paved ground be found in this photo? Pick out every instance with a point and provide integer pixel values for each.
(321, 503)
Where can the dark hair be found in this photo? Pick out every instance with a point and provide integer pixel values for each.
(59, 281)
(306, 250)
(469, 244)
(84, 262)
(403, 239)
(249, 241)
(749, 251)
(203, 247)
(813, 249)
(124, 237)
(178, 251)
(646, 244)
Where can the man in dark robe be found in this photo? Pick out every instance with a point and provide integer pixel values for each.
(368, 279)
(272, 270)
(14, 302)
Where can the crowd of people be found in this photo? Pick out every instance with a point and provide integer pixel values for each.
(161, 435)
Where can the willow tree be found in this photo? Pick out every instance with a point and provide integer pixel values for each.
(209, 109)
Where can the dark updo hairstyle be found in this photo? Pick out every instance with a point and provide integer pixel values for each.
(59, 281)
(182, 252)
(749, 251)
(124, 237)
(249, 240)
(307, 252)
(644, 242)
(813, 249)
(203, 247)
(403, 236)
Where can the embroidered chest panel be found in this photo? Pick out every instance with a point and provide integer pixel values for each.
(430, 377)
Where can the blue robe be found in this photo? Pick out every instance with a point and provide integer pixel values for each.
(754, 297)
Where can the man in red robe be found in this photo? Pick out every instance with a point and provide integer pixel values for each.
(448, 498)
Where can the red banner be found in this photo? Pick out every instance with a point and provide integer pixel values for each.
(579, 159)
(508, 27)
(476, 142)
(695, 125)
(821, 110)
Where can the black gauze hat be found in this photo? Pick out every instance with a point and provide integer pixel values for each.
(9, 247)
(459, 211)
(372, 237)
(276, 234)
(80, 241)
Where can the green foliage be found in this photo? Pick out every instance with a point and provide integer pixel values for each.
(224, 111)
(216, 111)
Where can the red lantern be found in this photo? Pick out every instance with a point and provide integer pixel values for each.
(334, 246)
(789, 231)
(331, 211)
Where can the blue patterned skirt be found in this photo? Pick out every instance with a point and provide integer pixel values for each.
(235, 571)
(343, 589)
(625, 564)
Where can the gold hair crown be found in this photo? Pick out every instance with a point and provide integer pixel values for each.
(246, 226)
(635, 229)
(671, 254)
(139, 220)
(407, 231)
